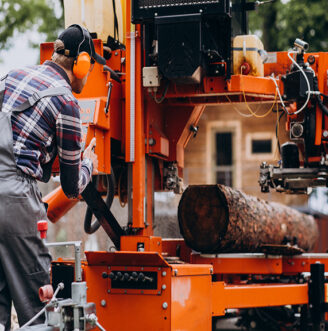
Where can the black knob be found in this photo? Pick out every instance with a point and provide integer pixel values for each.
(126, 276)
(112, 276)
(134, 276)
(120, 276)
(141, 277)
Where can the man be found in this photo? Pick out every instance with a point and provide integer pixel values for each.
(31, 137)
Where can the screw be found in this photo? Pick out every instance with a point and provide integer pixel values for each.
(164, 273)
(165, 305)
(163, 287)
(108, 291)
(103, 303)
(116, 53)
(175, 272)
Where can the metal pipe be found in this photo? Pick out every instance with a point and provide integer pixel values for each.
(77, 254)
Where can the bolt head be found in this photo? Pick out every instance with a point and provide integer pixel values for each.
(163, 287)
(164, 273)
(103, 303)
(165, 305)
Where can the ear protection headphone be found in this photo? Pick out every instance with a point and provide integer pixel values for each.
(82, 62)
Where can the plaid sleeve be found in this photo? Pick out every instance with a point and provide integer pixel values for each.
(74, 174)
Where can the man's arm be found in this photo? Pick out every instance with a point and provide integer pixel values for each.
(74, 174)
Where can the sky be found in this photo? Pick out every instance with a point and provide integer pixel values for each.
(19, 55)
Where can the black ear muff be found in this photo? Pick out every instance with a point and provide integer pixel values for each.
(81, 65)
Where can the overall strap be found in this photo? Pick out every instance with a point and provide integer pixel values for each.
(2, 89)
(37, 96)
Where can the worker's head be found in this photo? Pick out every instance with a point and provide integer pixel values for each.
(74, 51)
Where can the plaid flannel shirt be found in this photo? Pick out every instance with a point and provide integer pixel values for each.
(51, 127)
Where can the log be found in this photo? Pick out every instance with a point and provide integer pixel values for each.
(217, 218)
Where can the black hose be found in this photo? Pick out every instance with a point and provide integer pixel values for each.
(90, 227)
(318, 97)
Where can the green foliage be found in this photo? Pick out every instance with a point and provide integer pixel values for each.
(29, 15)
(282, 22)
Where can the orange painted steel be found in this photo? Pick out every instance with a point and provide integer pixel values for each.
(58, 204)
(251, 84)
(184, 297)
(302, 263)
(256, 295)
(150, 244)
(139, 164)
(242, 263)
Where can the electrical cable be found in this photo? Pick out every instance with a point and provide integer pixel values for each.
(238, 111)
(309, 92)
(279, 94)
(116, 32)
(277, 129)
(252, 112)
(158, 101)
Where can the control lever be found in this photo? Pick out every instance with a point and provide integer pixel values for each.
(113, 74)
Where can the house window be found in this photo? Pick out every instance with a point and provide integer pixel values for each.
(223, 167)
(260, 146)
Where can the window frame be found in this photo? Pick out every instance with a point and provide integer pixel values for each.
(212, 128)
(250, 137)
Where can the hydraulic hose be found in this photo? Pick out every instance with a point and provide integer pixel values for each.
(318, 97)
(89, 226)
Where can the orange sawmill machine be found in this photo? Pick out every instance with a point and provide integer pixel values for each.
(166, 61)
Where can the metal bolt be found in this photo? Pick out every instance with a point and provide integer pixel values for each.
(325, 133)
(175, 272)
(116, 53)
(159, 269)
(159, 292)
(108, 291)
(303, 264)
(165, 305)
(163, 287)
(211, 270)
(164, 273)
(103, 303)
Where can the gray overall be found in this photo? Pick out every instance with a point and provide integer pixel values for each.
(24, 260)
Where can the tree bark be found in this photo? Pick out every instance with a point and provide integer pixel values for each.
(217, 218)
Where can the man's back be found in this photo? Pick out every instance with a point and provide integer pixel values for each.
(52, 125)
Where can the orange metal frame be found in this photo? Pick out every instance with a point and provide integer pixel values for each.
(190, 293)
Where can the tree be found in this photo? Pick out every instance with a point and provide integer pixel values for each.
(282, 22)
(25, 15)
